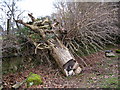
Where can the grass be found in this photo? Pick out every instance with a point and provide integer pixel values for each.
(101, 82)
(108, 78)
(1, 38)
(110, 83)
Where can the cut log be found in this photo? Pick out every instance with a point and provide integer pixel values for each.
(76, 65)
(66, 61)
(62, 55)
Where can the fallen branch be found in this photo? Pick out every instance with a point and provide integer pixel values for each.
(17, 85)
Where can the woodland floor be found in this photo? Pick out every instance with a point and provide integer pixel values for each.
(102, 73)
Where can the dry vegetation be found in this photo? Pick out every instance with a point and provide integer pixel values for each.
(89, 25)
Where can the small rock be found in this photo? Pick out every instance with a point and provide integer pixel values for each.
(78, 70)
(110, 54)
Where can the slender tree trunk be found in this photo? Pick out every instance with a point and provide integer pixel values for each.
(8, 26)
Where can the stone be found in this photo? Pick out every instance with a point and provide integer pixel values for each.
(111, 54)
(78, 70)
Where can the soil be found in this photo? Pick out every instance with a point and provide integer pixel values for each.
(95, 75)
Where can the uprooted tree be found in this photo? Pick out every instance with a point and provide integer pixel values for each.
(59, 51)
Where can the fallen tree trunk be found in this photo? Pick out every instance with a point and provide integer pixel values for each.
(65, 60)
(61, 54)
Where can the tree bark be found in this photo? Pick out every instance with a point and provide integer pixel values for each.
(8, 26)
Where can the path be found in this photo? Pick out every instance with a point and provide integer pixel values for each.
(101, 74)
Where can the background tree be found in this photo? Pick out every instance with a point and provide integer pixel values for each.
(9, 13)
(90, 26)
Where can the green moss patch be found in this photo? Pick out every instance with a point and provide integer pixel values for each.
(34, 79)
